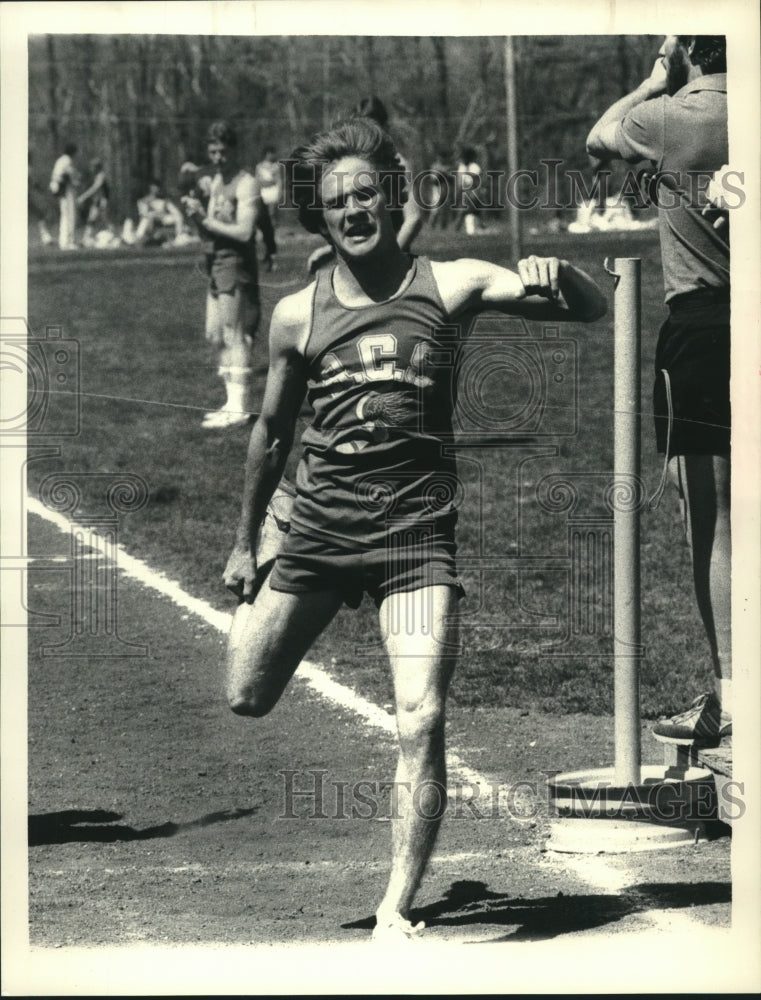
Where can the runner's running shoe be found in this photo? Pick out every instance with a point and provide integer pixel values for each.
(224, 418)
(396, 930)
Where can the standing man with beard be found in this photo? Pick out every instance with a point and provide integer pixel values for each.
(677, 119)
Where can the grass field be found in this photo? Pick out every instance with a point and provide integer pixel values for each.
(147, 377)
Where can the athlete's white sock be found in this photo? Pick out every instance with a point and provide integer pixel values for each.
(238, 385)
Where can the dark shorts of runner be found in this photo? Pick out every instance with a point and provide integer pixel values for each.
(229, 271)
(411, 559)
(693, 347)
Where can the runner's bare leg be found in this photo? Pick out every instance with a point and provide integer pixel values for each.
(268, 640)
(421, 640)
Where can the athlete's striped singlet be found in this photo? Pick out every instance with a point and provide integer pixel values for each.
(381, 381)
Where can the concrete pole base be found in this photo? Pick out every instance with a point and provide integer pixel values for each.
(591, 814)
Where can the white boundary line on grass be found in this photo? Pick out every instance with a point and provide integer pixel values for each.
(592, 870)
(314, 674)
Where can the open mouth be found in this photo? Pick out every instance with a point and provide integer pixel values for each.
(359, 232)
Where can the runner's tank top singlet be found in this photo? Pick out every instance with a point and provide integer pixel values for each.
(223, 206)
(378, 453)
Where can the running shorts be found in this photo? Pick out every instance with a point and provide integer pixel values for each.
(693, 348)
(229, 271)
(413, 557)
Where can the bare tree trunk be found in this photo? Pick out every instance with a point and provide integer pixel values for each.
(326, 101)
(442, 79)
(624, 64)
(53, 94)
(370, 61)
(145, 150)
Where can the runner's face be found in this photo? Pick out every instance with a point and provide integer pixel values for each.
(357, 220)
(221, 156)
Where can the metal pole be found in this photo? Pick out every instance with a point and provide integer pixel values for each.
(626, 562)
(513, 212)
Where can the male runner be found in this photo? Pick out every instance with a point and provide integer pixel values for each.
(228, 227)
(677, 119)
(374, 508)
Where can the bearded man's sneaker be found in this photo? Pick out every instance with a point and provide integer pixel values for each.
(703, 724)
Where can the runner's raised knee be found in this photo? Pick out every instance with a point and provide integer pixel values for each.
(244, 701)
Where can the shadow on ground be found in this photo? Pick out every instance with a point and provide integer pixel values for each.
(72, 825)
(472, 904)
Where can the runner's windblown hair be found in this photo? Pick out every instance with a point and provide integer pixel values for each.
(358, 137)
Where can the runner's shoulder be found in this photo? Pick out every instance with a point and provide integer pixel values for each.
(293, 313)
(246, 184)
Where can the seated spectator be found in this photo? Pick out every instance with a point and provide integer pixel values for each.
(156, 214)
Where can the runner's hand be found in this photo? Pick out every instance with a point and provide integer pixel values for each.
(239, 574)
(541, 276)
(192, 206)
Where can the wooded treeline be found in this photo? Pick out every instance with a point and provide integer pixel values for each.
(142, 103)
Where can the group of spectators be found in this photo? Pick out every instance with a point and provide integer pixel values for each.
(79, 196)
(76, 199)
(80, 202)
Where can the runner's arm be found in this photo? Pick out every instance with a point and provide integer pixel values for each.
(542, 288)
(271, 437)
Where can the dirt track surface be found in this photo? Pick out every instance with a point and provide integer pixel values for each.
(157, 816)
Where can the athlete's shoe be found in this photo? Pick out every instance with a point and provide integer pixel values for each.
(703, 724)
(274, 528)
(224, 418)
(396, 930)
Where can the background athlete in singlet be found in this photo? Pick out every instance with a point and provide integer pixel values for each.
(228, 228)
(374, 509)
